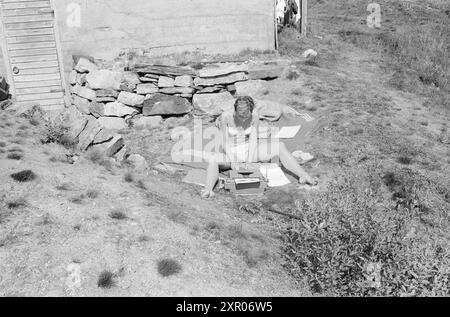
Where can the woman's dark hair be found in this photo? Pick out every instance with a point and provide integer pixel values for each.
(248, 100)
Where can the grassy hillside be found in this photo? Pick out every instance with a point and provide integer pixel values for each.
(381, 226)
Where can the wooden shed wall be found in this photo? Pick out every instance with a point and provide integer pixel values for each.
(165, 26)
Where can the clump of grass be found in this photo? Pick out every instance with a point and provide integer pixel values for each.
(253, 255)
(35, 122)
(198, 66)
(15, 156)
(92, 194)
(237, 231)
(143, 238)
(64, 187)
(128, 177)
(404, 160)
(106, 280)
(168, 267)
(98, 157)
(118, 215)
(15, 149)
(17, 203)
(293, 75)
(140, 184)
(17, 141)
(212, 226)
(58, 134)
(22, 134)
(77, 227)
(24, 176)
(78, 200)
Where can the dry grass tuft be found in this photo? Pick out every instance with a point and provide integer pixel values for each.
(78, 200)
(168, 267)
(92, 194)
(17, 203)
(118, 215)
(128, 177)
(106, 280)
(24, 176)
(15, 156)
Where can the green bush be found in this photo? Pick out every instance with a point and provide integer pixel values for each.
(57, 133)
(353, 241)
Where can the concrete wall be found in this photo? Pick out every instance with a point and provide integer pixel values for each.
(102, 28)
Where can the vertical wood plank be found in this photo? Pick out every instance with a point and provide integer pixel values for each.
(6, 60)
(59, 53)
(304, 17)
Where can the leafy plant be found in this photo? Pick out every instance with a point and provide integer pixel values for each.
(349, 242)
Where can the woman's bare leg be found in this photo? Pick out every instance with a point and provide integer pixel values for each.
(268, 151)
(212, 176)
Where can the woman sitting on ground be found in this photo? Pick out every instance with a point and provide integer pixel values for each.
(241, 145)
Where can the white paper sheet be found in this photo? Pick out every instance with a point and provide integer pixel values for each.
(274, 174)
(287, 132)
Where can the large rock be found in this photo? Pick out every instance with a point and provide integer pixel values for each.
(84, 92)
(103, 136)
(210, 90)
(104, 79)
(131, 80)
(97, 109)
(258, 71)
(82, 79)
(85, 66)
(184, 81)
(214, 103)
(222, 70)
(117, 109)
(145, 89)
(122, 155)
(252, 88)
(130, 99)
(73, 77)
(148, 80)
(166, 82)
(112, 123)
(165, 105)
(89, 133)
(105, 99)
(75, 121)
(106, 93)
(138, 162)
(82, 104)
(112, 147)
(147, 122)
(177, 90)
(222, 80)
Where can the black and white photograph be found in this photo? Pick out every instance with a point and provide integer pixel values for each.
(239, 151)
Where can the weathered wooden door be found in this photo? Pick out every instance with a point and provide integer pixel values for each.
(31, 52)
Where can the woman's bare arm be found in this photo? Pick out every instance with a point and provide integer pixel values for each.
(253, 142)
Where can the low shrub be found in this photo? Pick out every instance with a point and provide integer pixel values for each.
(24, 176)
(168, 267)
(57, 133)
(106, 280)
(351, 242)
